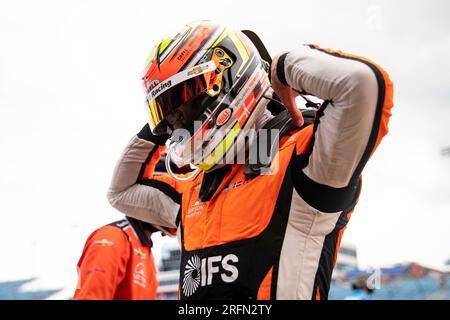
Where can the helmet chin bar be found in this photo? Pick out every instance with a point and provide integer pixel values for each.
(177, 177)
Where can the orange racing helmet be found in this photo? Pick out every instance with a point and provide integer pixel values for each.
(207, 80)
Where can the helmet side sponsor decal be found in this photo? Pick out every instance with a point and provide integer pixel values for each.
(199, 272)
(183, 54)
(223, 117)
(160, 88)
(152, 84)
(197, 70)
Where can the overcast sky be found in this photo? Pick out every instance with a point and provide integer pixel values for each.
(71, 98)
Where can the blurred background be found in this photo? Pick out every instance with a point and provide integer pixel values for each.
(71, 97)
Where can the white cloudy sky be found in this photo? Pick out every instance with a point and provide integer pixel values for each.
(71, 98)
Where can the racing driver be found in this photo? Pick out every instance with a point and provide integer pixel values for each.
(252, 229)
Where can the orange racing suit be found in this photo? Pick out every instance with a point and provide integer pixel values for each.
(272, 236)
(117, 264)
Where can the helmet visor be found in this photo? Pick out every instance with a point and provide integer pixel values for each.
(179, 90)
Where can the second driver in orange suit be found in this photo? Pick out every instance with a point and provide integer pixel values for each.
(252, 230)
(117, 263)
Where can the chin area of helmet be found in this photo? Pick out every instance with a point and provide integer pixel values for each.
(179, 100)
